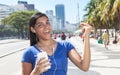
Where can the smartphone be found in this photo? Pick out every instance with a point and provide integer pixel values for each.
(41, 55)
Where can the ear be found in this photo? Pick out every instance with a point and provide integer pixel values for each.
(32, 29)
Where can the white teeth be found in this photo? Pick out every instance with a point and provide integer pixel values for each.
(46, 31)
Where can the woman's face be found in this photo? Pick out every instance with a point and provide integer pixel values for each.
(43, 28)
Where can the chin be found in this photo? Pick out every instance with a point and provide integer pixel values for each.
(47, 38)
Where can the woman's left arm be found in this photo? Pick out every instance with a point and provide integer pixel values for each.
(82, 62)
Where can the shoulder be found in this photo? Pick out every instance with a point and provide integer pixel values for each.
(29, 50)
(28, 54)
(65, 43)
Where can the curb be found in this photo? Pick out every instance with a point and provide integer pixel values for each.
(11, 53)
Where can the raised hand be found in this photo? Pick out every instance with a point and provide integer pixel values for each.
(86, 29)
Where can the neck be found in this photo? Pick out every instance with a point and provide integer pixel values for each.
(44, 43)
(48, 46)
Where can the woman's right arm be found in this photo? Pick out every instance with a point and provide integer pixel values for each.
(26, 68)
(38, 69)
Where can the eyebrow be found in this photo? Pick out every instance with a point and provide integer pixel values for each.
(42, 22)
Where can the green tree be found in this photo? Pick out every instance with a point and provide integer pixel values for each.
(103, 14)
(115, 14)
(19, 21)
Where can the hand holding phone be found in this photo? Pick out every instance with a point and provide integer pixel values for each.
(42, 55)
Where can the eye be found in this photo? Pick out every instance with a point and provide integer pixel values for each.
(40, 25)
(47, 22)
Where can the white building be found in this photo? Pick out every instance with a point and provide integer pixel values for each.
(52, 19)
(5, 10)
(70, 27)
(23, 5)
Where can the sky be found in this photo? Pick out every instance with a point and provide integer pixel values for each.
(71, 10)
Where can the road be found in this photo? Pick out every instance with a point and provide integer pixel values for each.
(103, 62)
(10, 55)
(12, 45)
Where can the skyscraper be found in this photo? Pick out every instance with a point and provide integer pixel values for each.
(60, 15)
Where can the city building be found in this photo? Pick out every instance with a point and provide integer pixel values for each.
(52, 18)
(5, 10)
(70, 27)
(23, 5)
(60, 15)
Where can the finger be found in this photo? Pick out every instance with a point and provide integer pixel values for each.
(84, 24)
(42, 65)
(46, 66)
(83, 30)
(39, 61)
(46, 62)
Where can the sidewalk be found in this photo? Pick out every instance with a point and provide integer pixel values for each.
(8, 41)
(104, 61)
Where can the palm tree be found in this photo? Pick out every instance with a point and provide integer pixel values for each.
(115, 14)
(103, 13)
(93, 15)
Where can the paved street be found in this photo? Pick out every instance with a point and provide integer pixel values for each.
(103, 61)
(10, 46)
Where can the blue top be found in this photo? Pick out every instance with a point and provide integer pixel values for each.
(58, 60)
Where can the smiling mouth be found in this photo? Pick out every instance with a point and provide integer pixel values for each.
(47, 31)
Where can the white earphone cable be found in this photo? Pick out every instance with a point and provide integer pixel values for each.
(54, 62)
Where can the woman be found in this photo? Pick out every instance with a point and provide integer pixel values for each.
(58, 52)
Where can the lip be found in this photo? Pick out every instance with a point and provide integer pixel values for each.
(47, 32)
